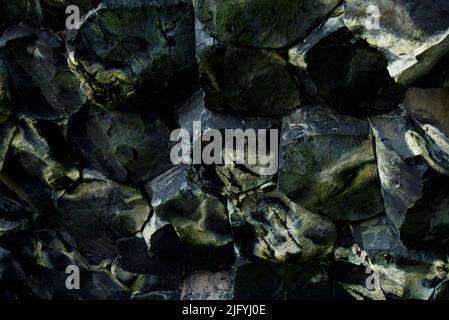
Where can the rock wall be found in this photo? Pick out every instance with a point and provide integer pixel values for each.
(358, 205)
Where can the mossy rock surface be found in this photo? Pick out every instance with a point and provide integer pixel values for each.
(264, 23)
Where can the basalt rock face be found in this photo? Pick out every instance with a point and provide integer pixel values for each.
(350, 97)
(328, 164)
(413, 35)
(130, 49)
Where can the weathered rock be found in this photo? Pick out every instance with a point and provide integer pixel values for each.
(247, 81)
(408, 147)
(438, 77)
(164, 242)
(270, 226)
(426, 225)
(401, 172)
(7, 131)
(48, 13)
(199, 217)
(31, 190)
(237, 178)
(265, 24)
(7, 122)
(413, 35)
(429, 109)
(10, 269)
(269, 281)
(359, 83)
(327, 164)
(45, 257)
(123, 47)
(97, 212)
(33, 153)
(142, 271)
(357, 194)
(378, 252)
(99, 285)
(297, 53)
(122, 145)
(43, 87)
(13, 217)
(204, 285)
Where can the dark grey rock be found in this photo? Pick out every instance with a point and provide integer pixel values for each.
(237, 178)
(269, 281)
(361, 188)
(327, 164)
(48, 13)
(164, 242)
(400, 170)
(401, 273)
(7, 122)
(428, 108)
(247, 81)
(204, 285)
(30, 149)
(43, 87)
(122, 145)
(413, 35)
(270, 226)
(13, 217)
(125, 47)
(265, 23)
(359, 83)
(199, 217)
(438, 77)
(98, 212)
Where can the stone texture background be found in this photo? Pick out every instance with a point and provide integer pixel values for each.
(86, 178)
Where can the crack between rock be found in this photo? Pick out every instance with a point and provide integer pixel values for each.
(167, 40)
(315, 26)
(284, 224)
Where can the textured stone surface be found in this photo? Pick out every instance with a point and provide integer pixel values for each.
(33, 153)
(347, 86)
(237, 178)
(413, 34)
(327, 164)
(198, 216)
(247, 81)
(126, 46)
(265, 23)
(105, 211)
(400, 170)
(46, 13)
(402, 273)
(209, 286)
(356, 207)
(264, 280)
(272, 227)
(110, 145)
(14, 217)
(42, 85)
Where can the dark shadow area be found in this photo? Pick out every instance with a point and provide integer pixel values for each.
(438, 77)
(351, 76)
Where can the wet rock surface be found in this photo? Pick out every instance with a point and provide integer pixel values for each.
(355, 92)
